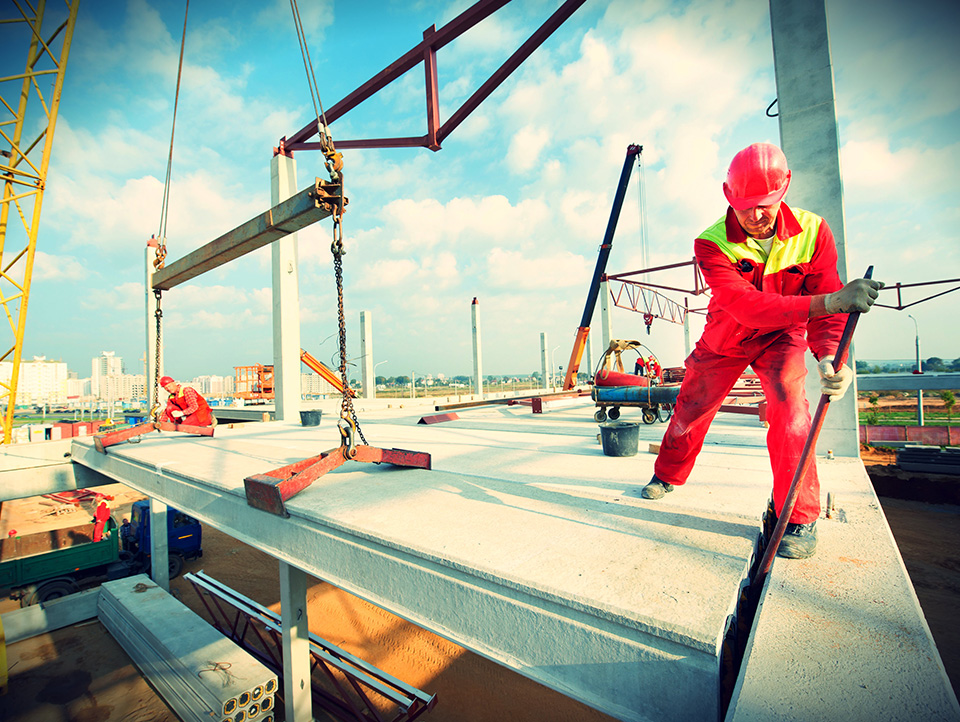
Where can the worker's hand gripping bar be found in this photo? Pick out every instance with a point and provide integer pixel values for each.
(807, 455)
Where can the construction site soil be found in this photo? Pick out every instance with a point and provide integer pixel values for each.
(80, 674)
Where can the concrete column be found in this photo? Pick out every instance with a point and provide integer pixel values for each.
(606, 322)
(477, 351)
(366, 353)
(687, 348)
(588, 366)
(286, 298)
(809, 138)
(544, 362)
(159, 554)
(296, 644)
(153, 372)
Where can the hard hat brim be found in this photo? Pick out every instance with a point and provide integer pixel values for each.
(769, 199)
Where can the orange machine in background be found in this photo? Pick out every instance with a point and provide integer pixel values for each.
(253, 383)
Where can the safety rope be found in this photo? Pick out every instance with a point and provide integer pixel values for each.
(165, 206)
(348, 424)
(161, 252)
(332, 159)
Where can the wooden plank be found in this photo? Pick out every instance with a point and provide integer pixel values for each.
(299, 211)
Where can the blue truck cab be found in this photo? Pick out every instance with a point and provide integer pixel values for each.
(184, 536)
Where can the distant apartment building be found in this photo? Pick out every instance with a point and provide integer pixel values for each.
(39, 380)
(107, 364)
(214, 386)
(77, 389)
(314, 385)
(123, 387)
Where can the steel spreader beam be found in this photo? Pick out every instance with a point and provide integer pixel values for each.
(269, 491)
(299, 211)
(111, 438)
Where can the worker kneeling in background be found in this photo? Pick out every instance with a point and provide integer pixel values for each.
(772, 272)
(185, 405)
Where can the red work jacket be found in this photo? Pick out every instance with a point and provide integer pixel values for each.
(755, 299)
(196, 411)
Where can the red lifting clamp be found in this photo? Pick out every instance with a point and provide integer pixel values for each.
(269, 491)
(110, 438)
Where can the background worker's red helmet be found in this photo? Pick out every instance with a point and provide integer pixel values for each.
(164, 380)
(758, 176)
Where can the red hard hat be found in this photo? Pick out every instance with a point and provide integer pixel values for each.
(164, 380)
(758, 176)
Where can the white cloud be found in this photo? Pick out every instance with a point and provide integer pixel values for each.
(525, 148)
(47, 267)
(552, 270)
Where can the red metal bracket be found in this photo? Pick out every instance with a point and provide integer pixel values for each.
(269, 491)
(110, 438)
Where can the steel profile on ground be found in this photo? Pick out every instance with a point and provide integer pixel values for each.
(343, 684)
(199, 672)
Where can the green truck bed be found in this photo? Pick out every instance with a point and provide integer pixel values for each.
(59, 552)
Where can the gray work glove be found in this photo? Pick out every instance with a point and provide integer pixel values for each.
(858, 295)
(834, 383)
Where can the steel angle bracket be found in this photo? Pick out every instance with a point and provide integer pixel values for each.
(111, 438)
(270, 490)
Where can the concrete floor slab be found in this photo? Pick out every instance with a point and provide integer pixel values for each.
(525, 543)
(529, 546)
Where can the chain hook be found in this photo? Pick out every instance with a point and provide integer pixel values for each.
(348, 442)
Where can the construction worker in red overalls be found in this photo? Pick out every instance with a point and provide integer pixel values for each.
(185, 405)
(772, 273)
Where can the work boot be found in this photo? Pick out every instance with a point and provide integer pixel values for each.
(799, 541)
(656, 489)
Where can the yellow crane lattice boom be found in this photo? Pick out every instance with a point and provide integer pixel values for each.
(29, 102)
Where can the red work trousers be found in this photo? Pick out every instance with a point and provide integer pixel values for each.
(708, 379)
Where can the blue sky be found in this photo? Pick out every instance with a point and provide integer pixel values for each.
(511, 211)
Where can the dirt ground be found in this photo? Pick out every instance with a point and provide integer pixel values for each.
(81, 674)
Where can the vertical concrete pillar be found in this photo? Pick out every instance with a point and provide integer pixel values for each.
(159, 553)
(544, 363)
(286, 297)
(296, 644)
(366, 353)
(687, 348)
(810, 140)
(606, 322)
(588, 366)
(477, 351)
(153, 371)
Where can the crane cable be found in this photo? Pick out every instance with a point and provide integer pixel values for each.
(348, 424)
(161, 236)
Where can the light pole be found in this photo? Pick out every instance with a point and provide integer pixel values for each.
(553, 365)
(375, 376)
(919, 371)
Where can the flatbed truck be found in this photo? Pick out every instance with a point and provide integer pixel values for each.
(48, 565)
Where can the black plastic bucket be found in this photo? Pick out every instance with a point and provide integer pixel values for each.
(620, 438)
(312, 418)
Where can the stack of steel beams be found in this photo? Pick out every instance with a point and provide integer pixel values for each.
(201, 674)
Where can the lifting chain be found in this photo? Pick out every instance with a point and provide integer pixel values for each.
(158, 314)
(348, 424)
